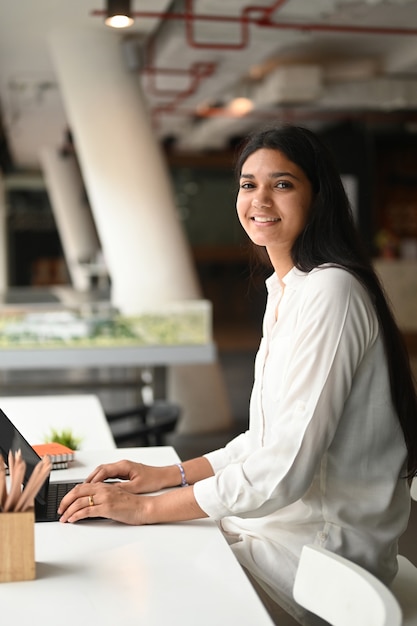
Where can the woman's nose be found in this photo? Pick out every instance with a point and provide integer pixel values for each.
(261, 199)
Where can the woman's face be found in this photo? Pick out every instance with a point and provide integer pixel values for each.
(273, 201)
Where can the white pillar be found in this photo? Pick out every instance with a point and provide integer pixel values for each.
(131, 198)
(3, 238)
(128, 185)
(72, 213)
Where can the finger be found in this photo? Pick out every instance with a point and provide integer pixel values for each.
(82, 508)
(76, 492)
(109, 470)
(75, 508)
(95, 477)
(99, 474)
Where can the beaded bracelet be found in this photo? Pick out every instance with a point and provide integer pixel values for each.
(183, 479)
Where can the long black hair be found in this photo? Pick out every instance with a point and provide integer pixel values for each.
(330, 236)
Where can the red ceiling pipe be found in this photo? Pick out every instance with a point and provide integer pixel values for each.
(267, 11)
(196, 73)
(245, 20)
(204, 71)
(181, 96)
(189, 33)
(344, 28)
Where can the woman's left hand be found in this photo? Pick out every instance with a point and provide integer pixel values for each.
(103, 500)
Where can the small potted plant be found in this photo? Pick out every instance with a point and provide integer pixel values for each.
(65, 436)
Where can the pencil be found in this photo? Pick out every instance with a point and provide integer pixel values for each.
(10, 461)
(35, 482)
(16, 480)
(3, 488)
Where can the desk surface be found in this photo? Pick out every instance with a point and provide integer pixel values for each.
(36, 416)
(104, 573)
(125, 356)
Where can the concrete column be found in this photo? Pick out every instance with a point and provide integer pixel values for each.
(123, 169)
(3, 238)
(72, 213)
(130, 192)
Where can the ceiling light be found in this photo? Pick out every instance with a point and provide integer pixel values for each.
(118, 14)
(240, 106)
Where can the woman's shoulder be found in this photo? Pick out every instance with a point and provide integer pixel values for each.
(333, 280)
(328, 274)
(331, 270)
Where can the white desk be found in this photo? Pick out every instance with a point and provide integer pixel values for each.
(105, 573)
(34, 416)
(126, 356)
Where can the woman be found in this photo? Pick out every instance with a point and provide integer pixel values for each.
(333, 412)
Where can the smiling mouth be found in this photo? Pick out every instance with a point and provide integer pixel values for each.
(264, 220)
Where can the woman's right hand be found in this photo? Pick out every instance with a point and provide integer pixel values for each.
(136, 477)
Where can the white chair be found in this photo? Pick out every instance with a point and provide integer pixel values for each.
(413, 490)
(404, 586)
(404, 589)
(341, 592)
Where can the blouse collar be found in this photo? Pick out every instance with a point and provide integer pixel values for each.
(291, 279)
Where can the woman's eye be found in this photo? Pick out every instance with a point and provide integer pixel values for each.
(283, 184)
(246, 185)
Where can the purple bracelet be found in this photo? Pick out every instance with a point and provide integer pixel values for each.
(183, 479)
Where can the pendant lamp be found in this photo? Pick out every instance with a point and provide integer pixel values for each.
(118, 14)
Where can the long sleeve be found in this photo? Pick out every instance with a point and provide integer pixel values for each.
(235, 451)
(305, 384)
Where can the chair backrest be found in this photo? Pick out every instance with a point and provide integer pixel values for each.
(144, 425)
(404, 586)
(413, 490)
(342, 592)
(404, 589)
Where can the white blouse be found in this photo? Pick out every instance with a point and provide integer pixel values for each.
(323, 459)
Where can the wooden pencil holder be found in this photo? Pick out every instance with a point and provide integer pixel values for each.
(17, 546)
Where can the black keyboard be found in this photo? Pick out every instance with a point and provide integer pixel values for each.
(56, 491)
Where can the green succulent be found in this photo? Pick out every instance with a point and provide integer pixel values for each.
(65, 436)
